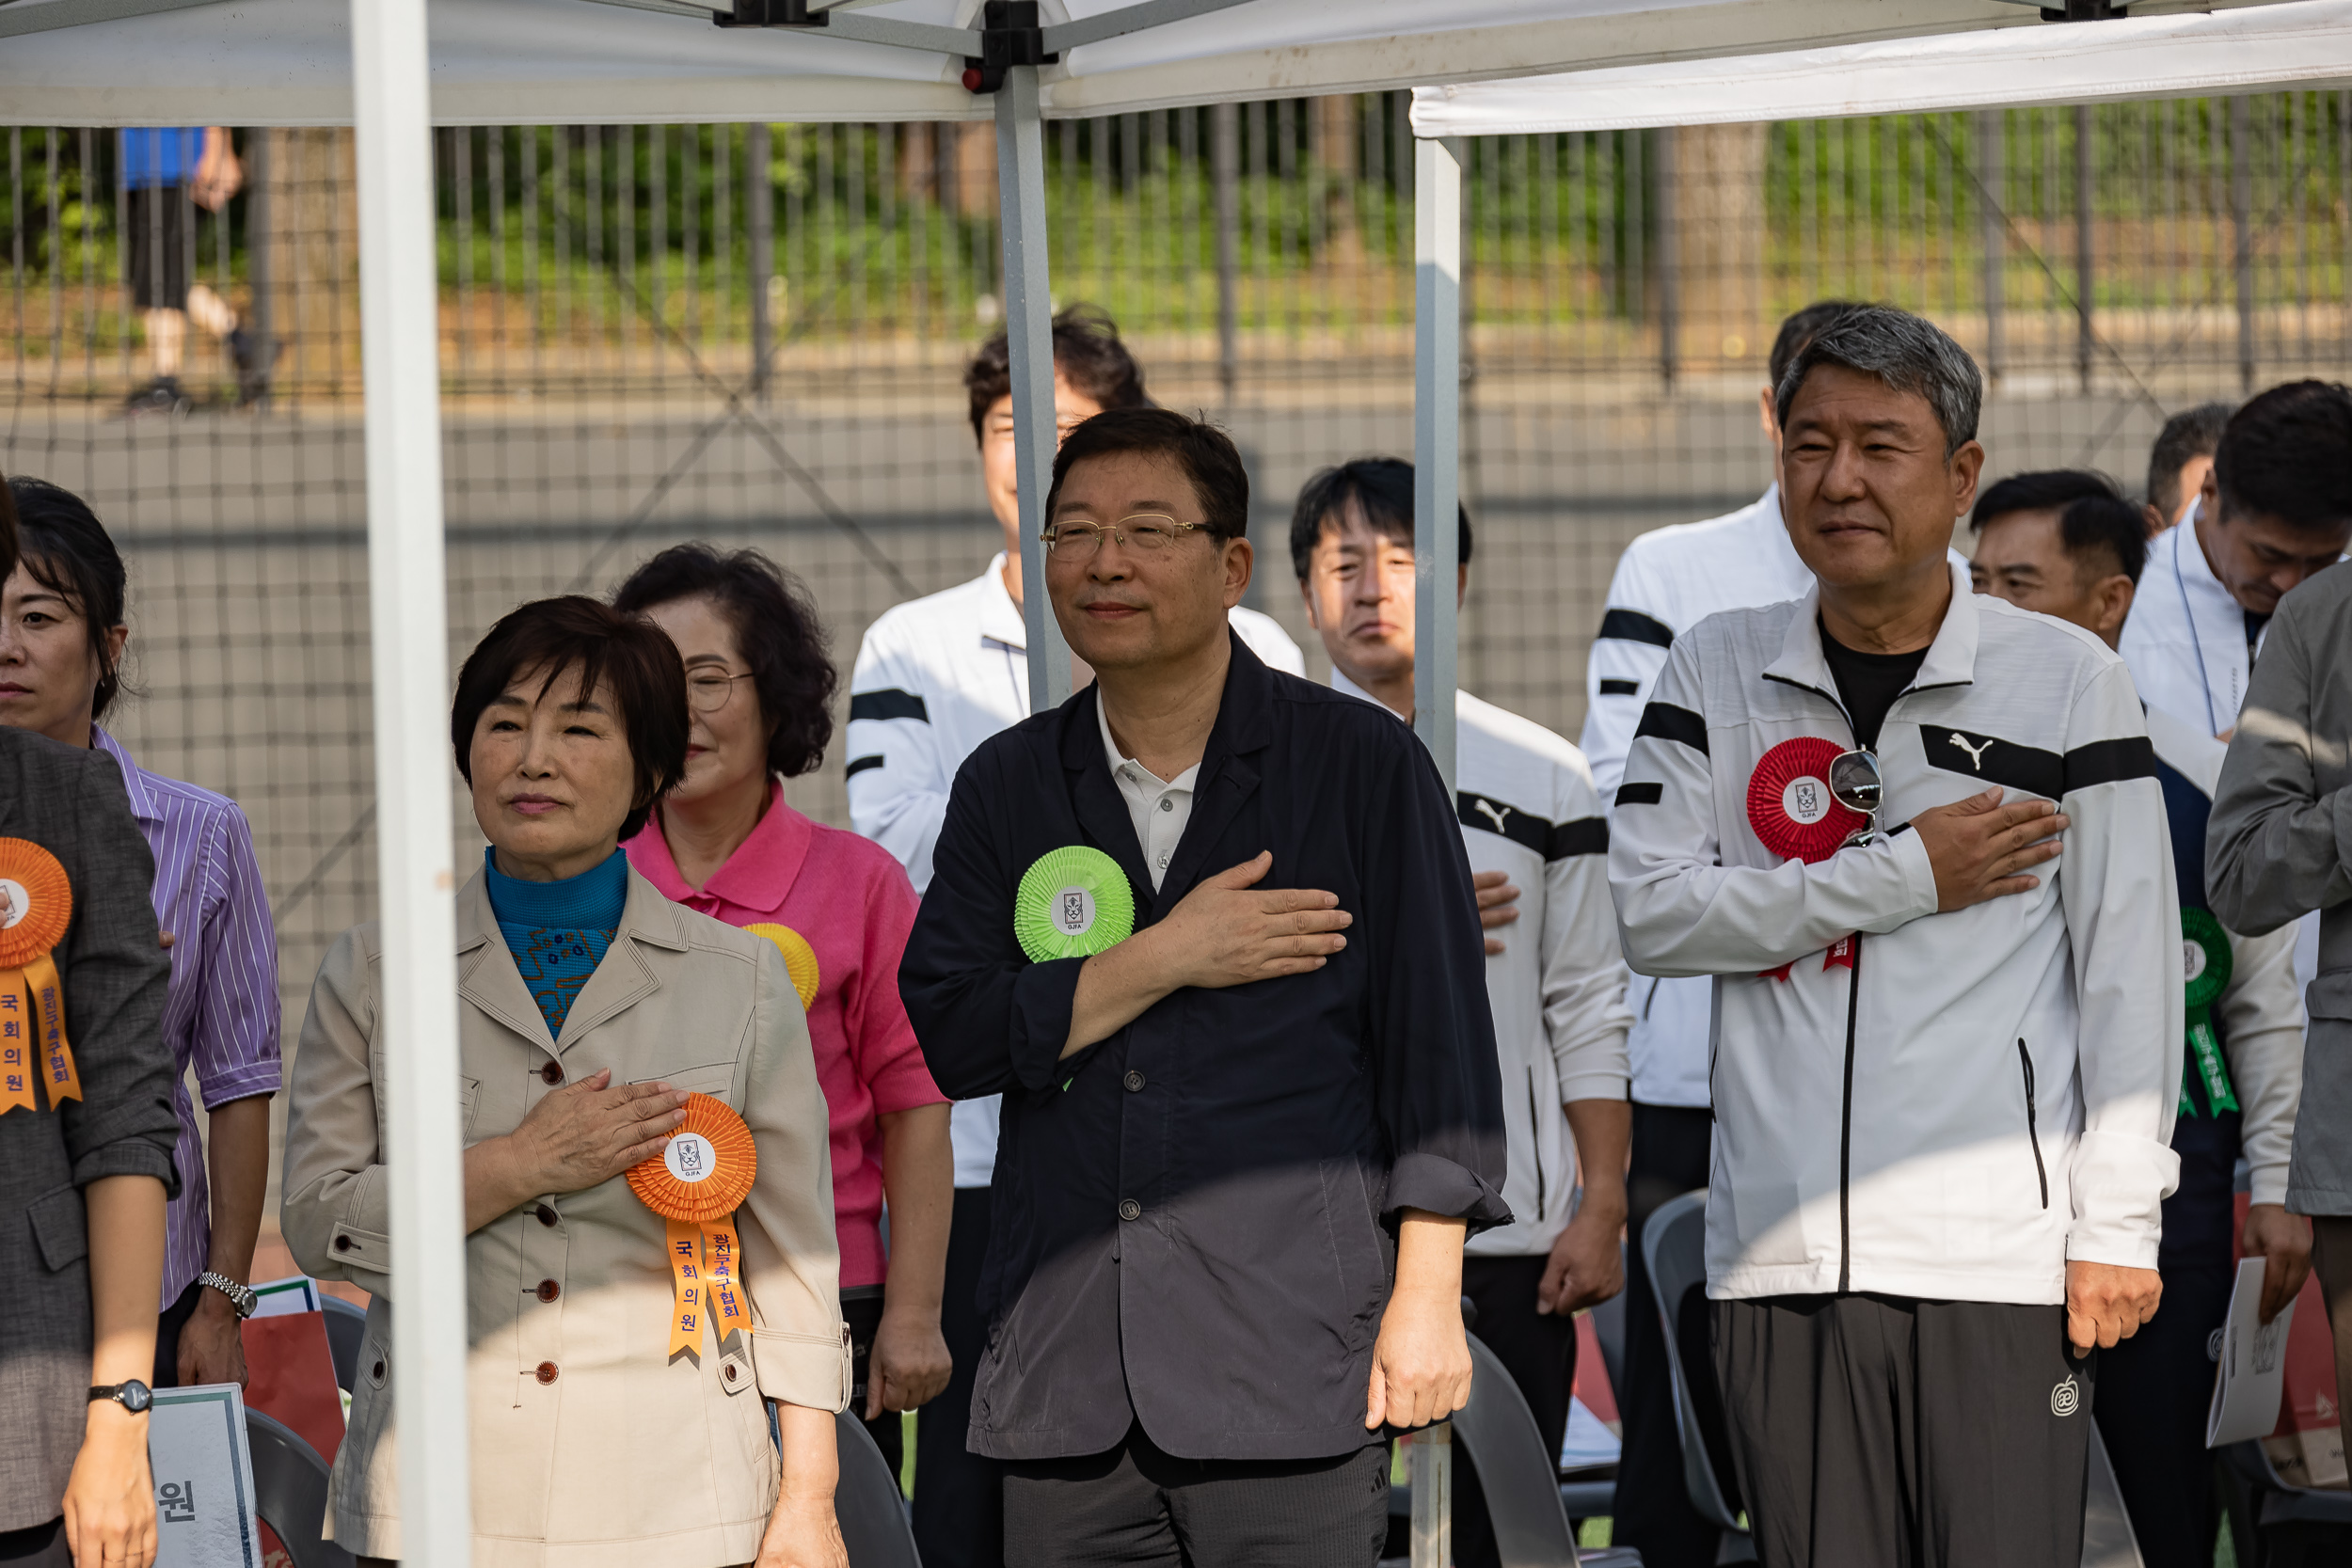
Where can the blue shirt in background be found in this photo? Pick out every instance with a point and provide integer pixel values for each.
(156, 156)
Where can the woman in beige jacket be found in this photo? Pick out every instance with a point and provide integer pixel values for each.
(591, 1005)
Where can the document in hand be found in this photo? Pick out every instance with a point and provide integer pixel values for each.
(203, 1474)
(2251, 1378)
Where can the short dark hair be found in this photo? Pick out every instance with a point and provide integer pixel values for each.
(631, 656)
(1088, 353)
(2044, 490)
(2094, 520)
(1382, 488)
(1204, 451)
(7, 532)
(1909, 353)
(2288, 454)
(2191, 433)
(776, 629)
(63, 546)
(1801, 328)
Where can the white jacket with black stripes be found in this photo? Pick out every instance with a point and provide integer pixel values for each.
(1557, 989)
(1984, 1094)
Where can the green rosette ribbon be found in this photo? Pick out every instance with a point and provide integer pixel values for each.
(2205, 961)
(1072, 904)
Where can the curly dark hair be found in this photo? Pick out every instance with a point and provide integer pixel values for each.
(1087, 354)
(776, 629)
(629, 658)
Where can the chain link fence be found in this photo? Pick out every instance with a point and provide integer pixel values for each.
(754, 335)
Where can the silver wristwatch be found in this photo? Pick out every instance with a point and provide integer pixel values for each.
(240, 1296)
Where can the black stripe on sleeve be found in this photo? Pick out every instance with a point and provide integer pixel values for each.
(1669, 722)
(859, 764)
(1488, 814)
(891, 704)
(1620, 689)
(1640, 794)
(2110, 762)
(1585, 835)
(1631, 625)
(1990, 759)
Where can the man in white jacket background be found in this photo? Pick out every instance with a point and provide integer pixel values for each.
(1916, 837)
(1554, 980)
(2063, 543)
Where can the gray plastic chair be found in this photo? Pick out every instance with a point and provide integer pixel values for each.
(290, 1492)
(346, 1328)
(1674, 1248)
(867, 1500)
(2278, 1524)
(2108, 1537)
(1521, 1481)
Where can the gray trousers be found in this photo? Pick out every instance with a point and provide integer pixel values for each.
(1906, 1434)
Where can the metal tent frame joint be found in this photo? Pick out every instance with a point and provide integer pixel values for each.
(771, 13)
(1010, 35)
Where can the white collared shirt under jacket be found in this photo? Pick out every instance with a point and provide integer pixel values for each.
(2186, 639)
(936, 676)
(1557, 989)
(1668, 580)
(1987, 1093)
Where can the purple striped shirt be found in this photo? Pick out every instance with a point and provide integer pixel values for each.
(221, 1014)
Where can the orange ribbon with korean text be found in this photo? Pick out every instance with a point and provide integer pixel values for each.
(695, 1184)
(36, 909)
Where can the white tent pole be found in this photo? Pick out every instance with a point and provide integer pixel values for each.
(399, 337)
(1029, 334)
(1436, 440)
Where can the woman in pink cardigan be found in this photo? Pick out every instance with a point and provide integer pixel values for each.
(760, 689)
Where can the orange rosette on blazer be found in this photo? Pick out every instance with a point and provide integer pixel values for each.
(36, 909)
(695, 1184)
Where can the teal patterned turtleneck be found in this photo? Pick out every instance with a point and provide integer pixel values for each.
(557, 931)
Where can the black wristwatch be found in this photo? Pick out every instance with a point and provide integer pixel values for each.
(133, 1396)
(240, 1296)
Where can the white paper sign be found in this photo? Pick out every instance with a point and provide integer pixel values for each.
(295, 1294)
(2251, 1378)
(203, 1475)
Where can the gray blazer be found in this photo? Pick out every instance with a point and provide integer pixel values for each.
(71, 803)
(2280, 844)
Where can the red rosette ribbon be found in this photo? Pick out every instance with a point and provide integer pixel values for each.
(1792, 812)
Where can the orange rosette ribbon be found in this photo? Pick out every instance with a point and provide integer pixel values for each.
(36, 908)
(695, 1184)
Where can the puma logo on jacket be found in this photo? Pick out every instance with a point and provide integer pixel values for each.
(1985, 1093)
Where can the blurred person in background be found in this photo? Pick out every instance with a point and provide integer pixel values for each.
(590, 1008)
(1529, 814)
(62, 635)
(2179, 462)
(84, 1181)
(725, 842)
(2066, 544)
(934, 678)
(1668, 580)
(166, 172)
(2275, 506)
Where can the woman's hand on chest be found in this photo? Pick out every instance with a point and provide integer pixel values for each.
(587, 1133)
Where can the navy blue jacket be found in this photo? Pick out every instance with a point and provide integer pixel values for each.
(1193, 1219)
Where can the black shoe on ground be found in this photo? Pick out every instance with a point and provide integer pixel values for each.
(163, 395)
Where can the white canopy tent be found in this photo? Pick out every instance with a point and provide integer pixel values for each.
(392, 67)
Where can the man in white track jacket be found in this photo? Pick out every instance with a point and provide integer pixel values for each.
(1947, 1050)
(1554, 980)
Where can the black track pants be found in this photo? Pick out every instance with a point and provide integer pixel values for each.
(1906, 1434)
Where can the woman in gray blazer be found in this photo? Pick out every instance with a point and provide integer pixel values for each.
(83, 1182)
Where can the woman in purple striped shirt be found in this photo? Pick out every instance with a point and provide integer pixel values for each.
(62, 640)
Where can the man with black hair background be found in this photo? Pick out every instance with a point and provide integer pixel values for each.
(936, 676)
(2179, 462)
(1556, 983)
(2063, 543)
(1668, 580)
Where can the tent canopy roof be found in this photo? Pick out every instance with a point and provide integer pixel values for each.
(2305, 44)
(287, 62)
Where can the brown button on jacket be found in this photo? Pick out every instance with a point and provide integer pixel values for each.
(590, 1449)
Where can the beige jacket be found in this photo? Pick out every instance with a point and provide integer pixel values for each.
(589, 1448)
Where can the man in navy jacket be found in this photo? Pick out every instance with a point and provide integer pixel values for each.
(1241, 1148)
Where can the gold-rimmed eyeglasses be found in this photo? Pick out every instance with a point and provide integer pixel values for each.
(707, 689)
(1147, 531)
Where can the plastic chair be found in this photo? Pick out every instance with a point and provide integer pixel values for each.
(1674, 1248)
(2108, 1537)
(2277, 1524)
(290, 1492)
(346, 1328)
(867, 1500)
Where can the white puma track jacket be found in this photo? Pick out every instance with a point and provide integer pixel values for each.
(1982, 1094)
